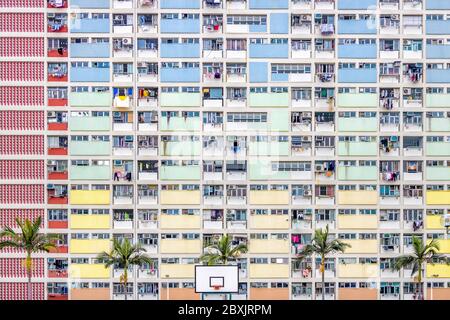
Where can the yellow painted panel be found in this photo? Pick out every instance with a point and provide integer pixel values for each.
(438, 271)
(434, 222)
(357, 221)
(258, 221)
(89, 245)
(90, 221)
(358, 270)
(88, 271)
(444, 245)
(177, 270)
(180, 197)
(267, 271)
(362, 246)
(265, 197)
(438, 197)
(358, 197)
(180, 246)
(268, 246)
(89, 197)
(180, 221)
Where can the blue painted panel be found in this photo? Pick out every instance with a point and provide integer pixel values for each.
(279, 23)
(180, 50)
(362, 51)
(438, 76)
(180, 26)
(356, 4)
(90, 4)
(89, 75)
(438, 27)
(357, 26)
(269, 50)
(280, 77)
(180, 75)
(257, 28)
(258, 71)
(180, 4)
(89, 50)
(437, 4)
(438, 51)
(269, 4)
(357, 75)
(89, 25)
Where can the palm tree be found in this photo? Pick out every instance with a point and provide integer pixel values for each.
(124, 254)
(422, 253)
(29, 240)
(322, 246)
(223, 251)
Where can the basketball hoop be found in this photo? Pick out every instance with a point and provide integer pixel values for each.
(216, 287)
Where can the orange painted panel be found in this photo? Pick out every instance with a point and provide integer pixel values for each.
(269, 293)
(90, 294)
(357, 294)
(179, 294)
(438, 294)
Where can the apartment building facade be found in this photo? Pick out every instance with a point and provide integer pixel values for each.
(172, 122)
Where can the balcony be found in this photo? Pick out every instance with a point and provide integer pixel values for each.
(181, 148)
(89, 246)
(89, 74)
(90, 172)
(180, 26)
(89, 123)
(177, 197)
(180, 50)
(89, 271)
(357, 51)
(89, 197)
(357, 294)
(90, 221)
(89, 4)
(357, 26)
(358, 221)
(357, 100)
(275, 246)
(435, 197)
(180, 99)
(357, 148)
(355, 173)
(89, 25)
(268, 271)
(177, 271)
(90, 99)
(444, 246)
(357, 197)
(359, 124)
(434, 222)
(438, 173)
(183, 221)
(269, 221)
(437, 5)
(438, 149)
(90, 148)
(437, 26)
(90, 50)
(262, 170)
(438, 75)
(180, 75)
(438, 51)
(269, 197)
(360, 75)
(269, 100)
(180, 172)
(269, 51)
(356, 5)
(268, 4)
(90, 294)
(179, 246)
(268, 148)
(358, 270)
(180, 123)
(362, 246)
(179, 294)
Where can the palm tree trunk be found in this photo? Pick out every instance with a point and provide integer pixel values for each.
(322, 270)
(420, 283)
(125, 281)
(28, 266)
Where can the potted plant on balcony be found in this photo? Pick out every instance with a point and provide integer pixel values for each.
(322, 246)
(124, 254)
(422, 253)
(29, 240)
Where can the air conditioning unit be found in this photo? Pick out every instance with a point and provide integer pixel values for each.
(127, 40)
(319, 167)
(305, 17)
(51, 114)
(395, 17)
(407, 91)
(50, 186)
(50, 15)
(118, 18)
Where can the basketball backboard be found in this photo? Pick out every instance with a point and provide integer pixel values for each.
(216, 279)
